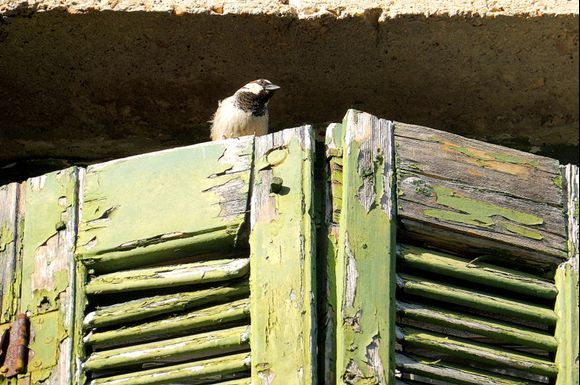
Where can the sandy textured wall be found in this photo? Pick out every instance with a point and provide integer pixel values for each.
(89, 80)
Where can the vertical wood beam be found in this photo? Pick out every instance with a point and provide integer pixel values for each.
(365, 276)
(283, 338)
(10, 211)
(48, 274)
(567, 284)
(327, 261)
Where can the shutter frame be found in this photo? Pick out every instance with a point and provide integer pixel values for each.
(282, 278)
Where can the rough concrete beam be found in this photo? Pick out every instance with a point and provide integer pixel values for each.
(91, 80)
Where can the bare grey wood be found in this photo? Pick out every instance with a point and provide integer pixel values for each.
(479, 197)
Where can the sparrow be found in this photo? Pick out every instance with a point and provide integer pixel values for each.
(245, 112)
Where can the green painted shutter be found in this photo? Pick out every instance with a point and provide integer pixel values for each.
(486, 274)
(38, 272)
(158, 288)
(197, 265)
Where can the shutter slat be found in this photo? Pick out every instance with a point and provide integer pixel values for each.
(148, 307)
(469, 298)
(467, 350)
(184, 323)
(196, 372)
(193, 347)
(166, 205)
(478, 325)
(476, 271)
(173, 275)
(453, 374)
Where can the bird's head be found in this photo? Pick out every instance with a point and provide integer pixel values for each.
(255, 96)
(260, 87)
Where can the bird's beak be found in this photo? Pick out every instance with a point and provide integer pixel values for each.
(272, 87)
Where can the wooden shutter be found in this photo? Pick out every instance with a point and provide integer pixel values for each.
(38, 221)
(486, 274)
(442, 260)
(162, 266)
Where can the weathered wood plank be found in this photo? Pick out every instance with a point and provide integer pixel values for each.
(193, 321)
(494, 168)
(165, 205)
(197, 372)
(473, 299)
(282, 260)
(48, 274)
(476, 271)
(169, 276)
(494, 199)
(498, 330)
(472, 351)
(144, 308)
(9, 217)
(334, 142)
(365, 263)
(452, 374)
(567, 302)
(192, 347)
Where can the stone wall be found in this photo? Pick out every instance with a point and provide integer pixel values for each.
(82, 81)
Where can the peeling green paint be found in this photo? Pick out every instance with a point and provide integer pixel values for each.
(557, 180)
(47, 332)
(481, 214)
(422, 188)
(282, 257)
(510, 158)
(467, 152)
(364, 265)
(49, 201)
(493, 156)
(523, 231)
(143, 206)
(6, 237)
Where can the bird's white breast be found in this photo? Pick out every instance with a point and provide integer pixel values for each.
(230, 121)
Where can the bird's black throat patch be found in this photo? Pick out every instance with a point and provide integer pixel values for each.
(255, 103)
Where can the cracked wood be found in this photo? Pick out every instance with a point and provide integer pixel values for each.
(282, 260)
(165, 205)
(469, 196)
(365, 258)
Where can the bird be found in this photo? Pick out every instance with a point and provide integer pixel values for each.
(245, 112)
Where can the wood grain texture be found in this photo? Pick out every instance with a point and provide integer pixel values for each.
(165, 205)
(9, 213)
(451, 374)
(480, 198)
(365, 262)
(475, 299)
(152, 306)
(473, 270)
(333, 167)
(48, 274)
(466, 350)
(195, 273)
(567, 302)
(199, 319)
(188, 348)
(282, 286)
(197, 372)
